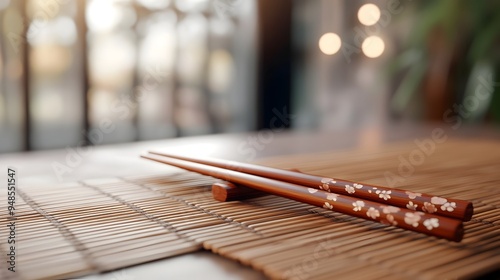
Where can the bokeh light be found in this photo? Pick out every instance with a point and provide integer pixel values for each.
(369, 14)
(330, 43)
(373, 46)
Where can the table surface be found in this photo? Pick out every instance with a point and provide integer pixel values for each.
(81, 163)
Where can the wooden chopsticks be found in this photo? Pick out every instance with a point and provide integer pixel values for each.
(453, 208)
(323, 194)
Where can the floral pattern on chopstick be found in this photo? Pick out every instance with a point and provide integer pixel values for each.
(327, 205)
(430, 207)
(413, 218)
(390, 209)
(391, 220)
(438, 200)
(352, 189)
(449, 206)
(325, 184)
(416, 201)
(358, 205)
(373, 189)
(412, 206)
(332, 196)
(394, 213)
(389, 214)
(385, 214)
(431, 223)
(413, 195)
(384, 194)
(373, 213)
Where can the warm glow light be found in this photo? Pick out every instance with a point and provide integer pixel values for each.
(112, 60)
(50, 59)
(369, 14)
(373, 46)
(329, 43)
(102, 16)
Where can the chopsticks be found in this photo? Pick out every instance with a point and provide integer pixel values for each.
(430, 224)
(453, 208)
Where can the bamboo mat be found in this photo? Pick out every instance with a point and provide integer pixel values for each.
(100, 225)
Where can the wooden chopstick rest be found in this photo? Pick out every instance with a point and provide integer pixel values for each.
(227, 191)
(426, 223)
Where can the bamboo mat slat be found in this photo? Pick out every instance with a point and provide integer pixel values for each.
(100, 225)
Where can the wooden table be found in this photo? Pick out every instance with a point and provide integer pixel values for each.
(70, 164)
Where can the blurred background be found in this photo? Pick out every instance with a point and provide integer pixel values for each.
(92, 72)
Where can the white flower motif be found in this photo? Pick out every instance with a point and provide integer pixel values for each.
(332, 196)
(413, 218)
(311, 190)
(384, 194)
(325, 182)
(358, 186)
(358, 205)
(438, 200)
(372, 213)
(390, 209)
(390, 219)
(349, 189)
(413, 195)
(327, 206)
(369, 191)
(412, 206)
(429, 207)
(449, 206)
(431, 223)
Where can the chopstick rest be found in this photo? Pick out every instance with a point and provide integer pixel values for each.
(226, 191)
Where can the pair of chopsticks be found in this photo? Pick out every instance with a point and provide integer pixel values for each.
(424, 213)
